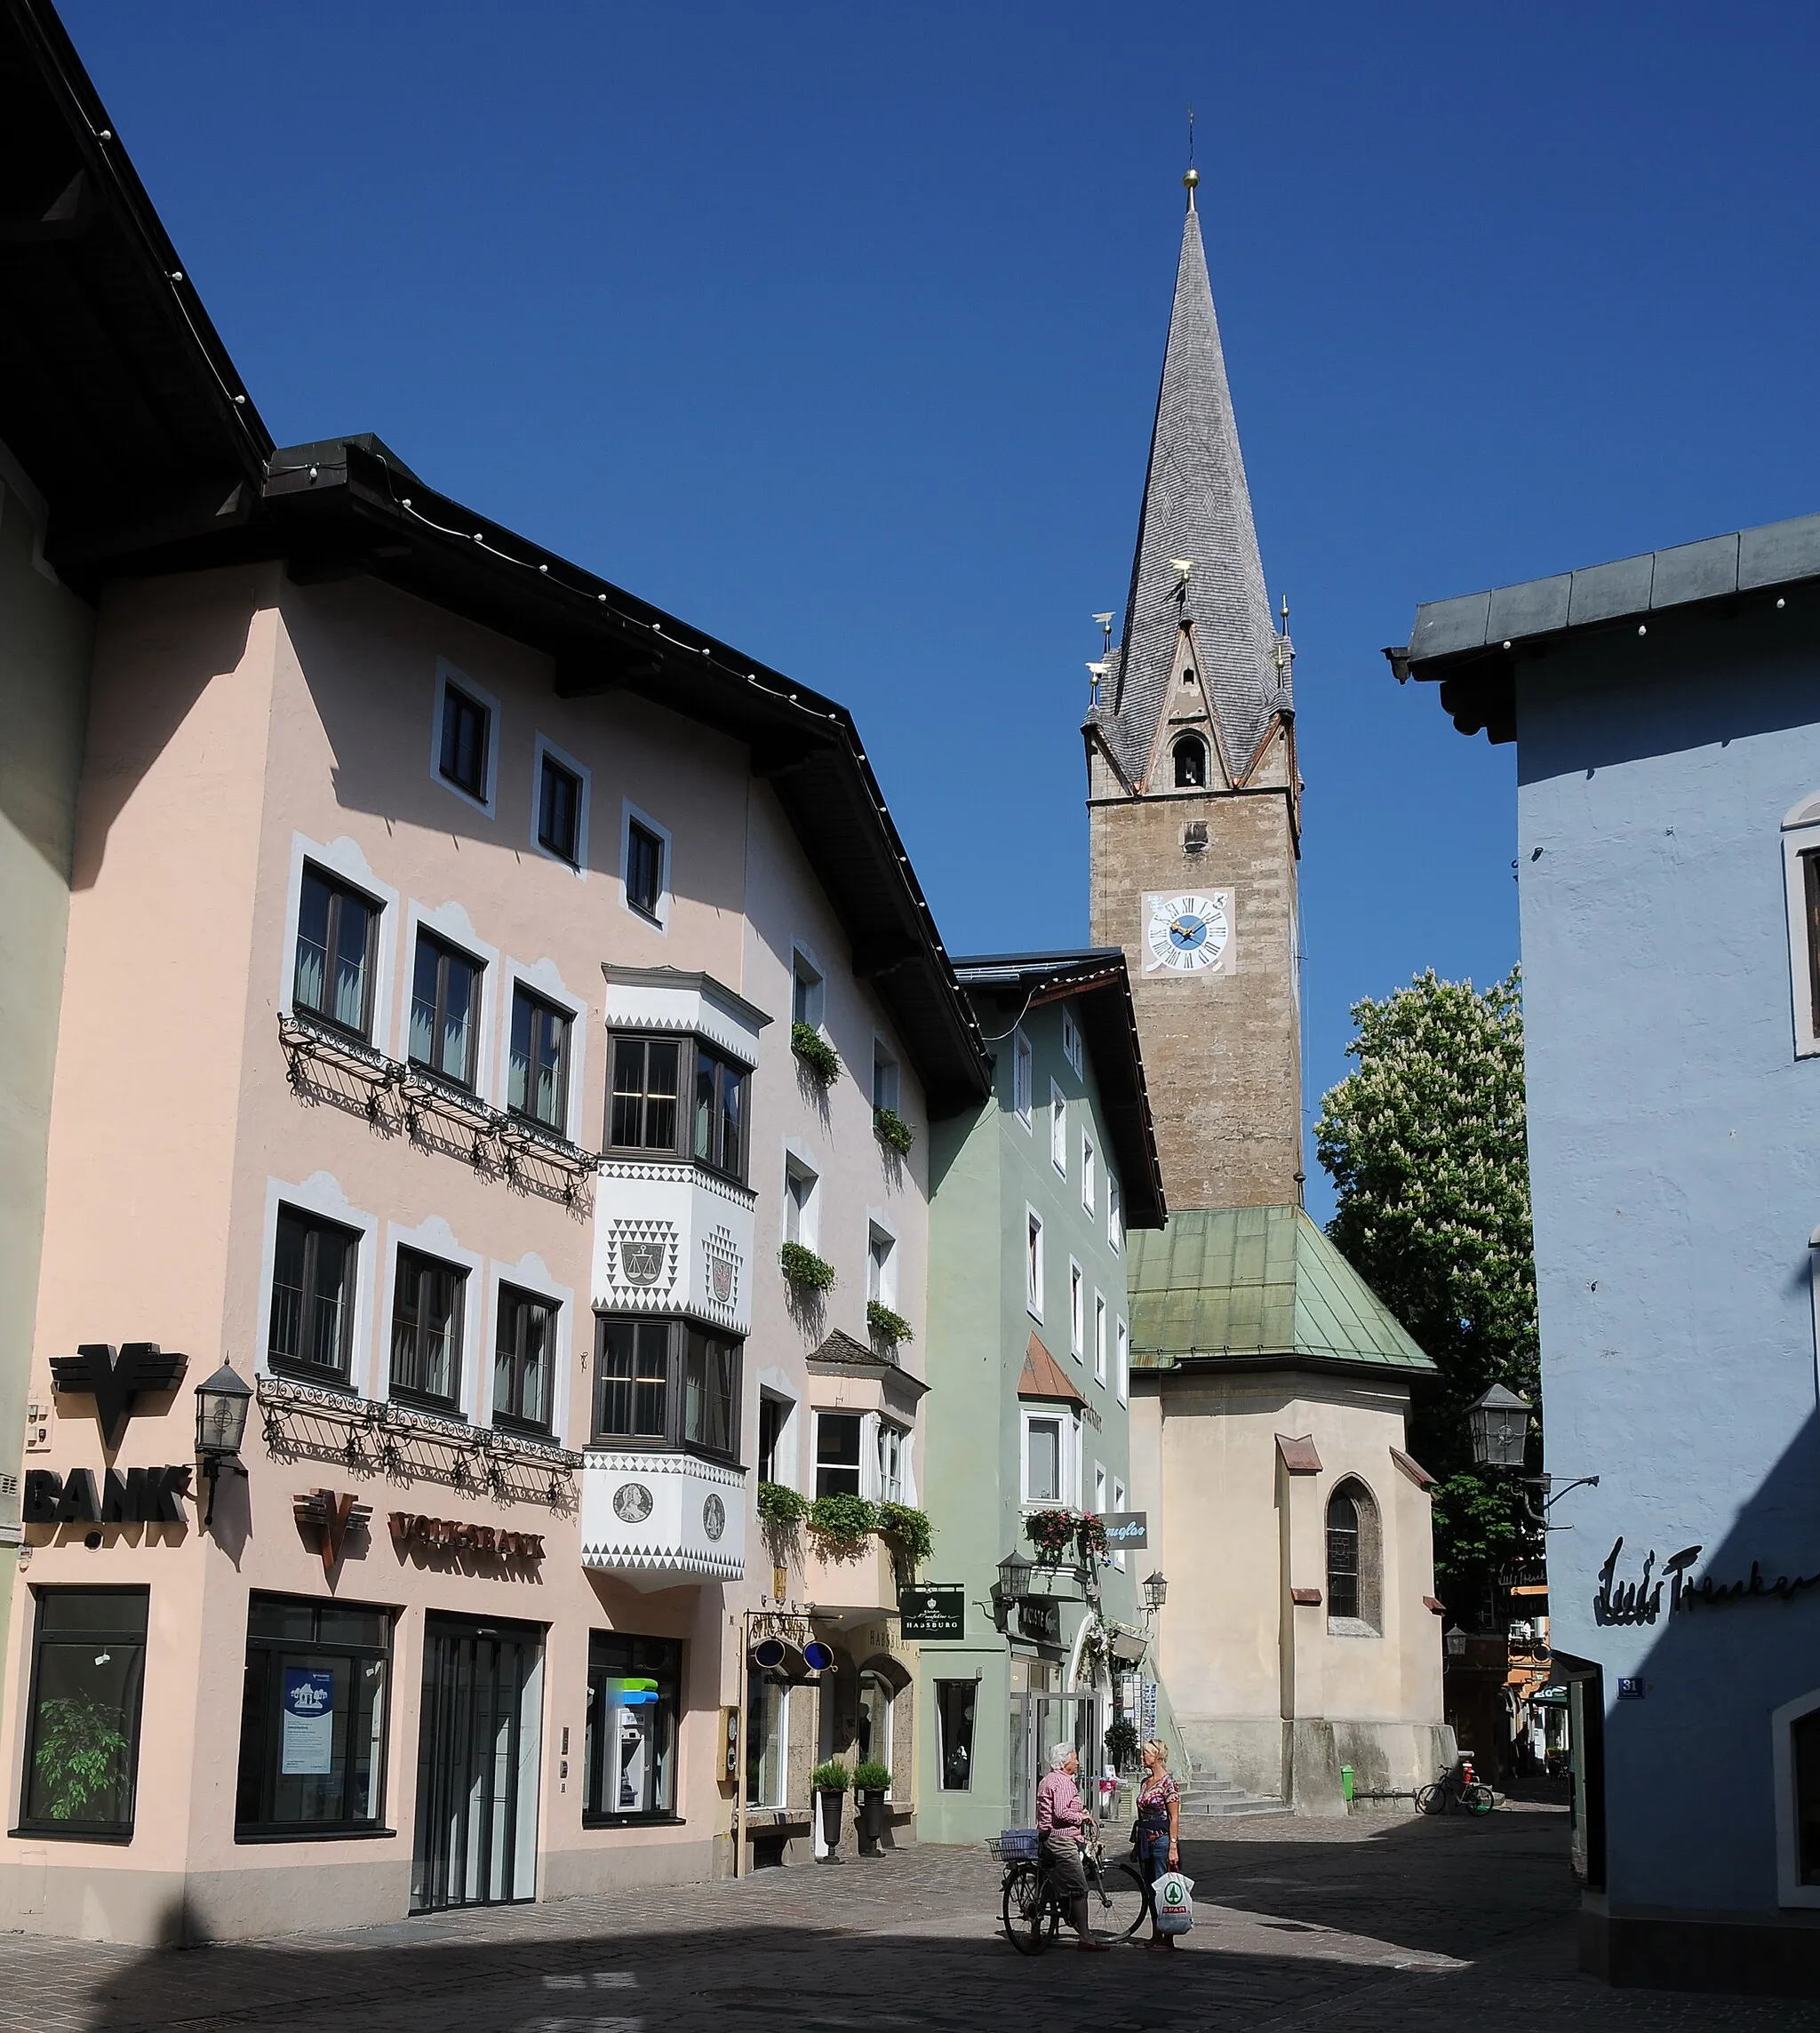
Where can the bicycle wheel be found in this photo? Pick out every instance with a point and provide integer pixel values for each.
(1022, 1909)
(1118, 1900)
(1478, 1800)
(1431, 1799)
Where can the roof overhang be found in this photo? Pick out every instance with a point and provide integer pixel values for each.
(1099, 982)
(1473, 645)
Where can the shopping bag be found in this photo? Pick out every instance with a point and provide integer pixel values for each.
(1175, 1903)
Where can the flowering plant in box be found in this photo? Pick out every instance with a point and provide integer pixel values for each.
(1051, 1532)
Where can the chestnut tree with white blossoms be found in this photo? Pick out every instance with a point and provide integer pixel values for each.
(1425, 1143)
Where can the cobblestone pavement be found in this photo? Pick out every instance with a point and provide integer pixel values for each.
(1362, 1926)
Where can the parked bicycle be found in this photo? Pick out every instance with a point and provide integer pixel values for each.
(1118, 1898)
(1458, 1787)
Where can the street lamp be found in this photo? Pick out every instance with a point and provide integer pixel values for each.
(1499, 1424)
(1155, 1592)
(222, 1402)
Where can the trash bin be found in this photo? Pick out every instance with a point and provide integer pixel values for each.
(1346, 1784)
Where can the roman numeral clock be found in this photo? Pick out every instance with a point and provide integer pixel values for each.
(1186, 934)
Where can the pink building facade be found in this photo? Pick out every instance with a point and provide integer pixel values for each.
(427, 1055)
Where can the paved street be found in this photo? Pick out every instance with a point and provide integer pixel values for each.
(1368, 1924)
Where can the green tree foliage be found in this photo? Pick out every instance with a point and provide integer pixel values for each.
(1425, 1145)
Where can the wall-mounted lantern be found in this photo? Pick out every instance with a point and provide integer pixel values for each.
(1014, 1584)
(1499, 1425)
(1456, 1642)
(1156, 1591)
(222, 1402)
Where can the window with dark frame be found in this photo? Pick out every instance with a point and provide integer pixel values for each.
(82, 1723)
(559, 811)
(666, 1383)
(629, 1742)
(773, 1416)
(312, 1319)
(312, 1719)
(336, 932)
(445, 1011)
(525, 1358)
(537, 1083)
(644, 870)
(467, 725)
(426, 1304)
(837, 1453)
(1810, 888)
(955, 1703)
(1342, 1556)
(651, 1078)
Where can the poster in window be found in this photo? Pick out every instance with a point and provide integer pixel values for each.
(309, 1723)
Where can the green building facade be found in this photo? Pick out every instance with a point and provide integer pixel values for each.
(1028, 1412)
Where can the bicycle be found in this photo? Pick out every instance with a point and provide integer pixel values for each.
(1118, 1895)
(1456, 1787)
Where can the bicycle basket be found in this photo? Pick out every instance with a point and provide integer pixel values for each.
(1015, 1845)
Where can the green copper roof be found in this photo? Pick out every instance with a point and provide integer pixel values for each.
(1256, 1283)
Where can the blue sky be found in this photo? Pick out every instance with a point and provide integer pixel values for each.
(837, 330)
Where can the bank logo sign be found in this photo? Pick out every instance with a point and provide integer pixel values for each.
(116, 1379)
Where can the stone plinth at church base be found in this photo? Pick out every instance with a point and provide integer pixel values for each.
(1298, 1762)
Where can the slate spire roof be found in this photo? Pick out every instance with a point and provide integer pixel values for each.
(1196, 505)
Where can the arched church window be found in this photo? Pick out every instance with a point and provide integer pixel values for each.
(1191, 763)
(1354, 1563)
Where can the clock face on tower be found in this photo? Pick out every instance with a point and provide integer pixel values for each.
(1186, 934)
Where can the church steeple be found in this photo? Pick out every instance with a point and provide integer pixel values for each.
(1197, 564)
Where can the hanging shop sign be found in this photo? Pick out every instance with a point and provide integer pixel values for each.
(139, 1496)
(1640, 1601)
(1040, 1621)
(117, 1379)
(930, 1610)
(329, 1515)
(1127, 1530)
(451, 1535)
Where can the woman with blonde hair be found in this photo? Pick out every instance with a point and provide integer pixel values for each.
(1159, 1827)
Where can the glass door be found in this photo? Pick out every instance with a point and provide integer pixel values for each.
(477, 1747)
(1039, 1720)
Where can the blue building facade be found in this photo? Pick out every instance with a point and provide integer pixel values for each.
(1666, 712)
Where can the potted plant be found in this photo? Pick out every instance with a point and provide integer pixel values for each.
(885, 1324)
(842, 1523)
(892, 1129)
(815, 1052)
(79, 1753)
(872, 1781)
(1122, 1743)
(1052, 1533)
(1090, 1537)
(829, 1783)
(909, 1535)
(807, 1271)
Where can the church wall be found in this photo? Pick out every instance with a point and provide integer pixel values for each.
(1221, 1048)
(1266, 1694)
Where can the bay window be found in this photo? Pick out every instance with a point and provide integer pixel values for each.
(666, 1383)
(648, 1110)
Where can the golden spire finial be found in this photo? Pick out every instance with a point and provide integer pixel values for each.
(1190, 176)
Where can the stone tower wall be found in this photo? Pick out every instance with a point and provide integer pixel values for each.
(1222, 1050)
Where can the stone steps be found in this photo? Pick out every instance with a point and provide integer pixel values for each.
(1208, 1798)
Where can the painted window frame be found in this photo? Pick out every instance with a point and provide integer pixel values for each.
(1072, 1051)
(1077, 1311)
(1123, 1340)
(1058, 1130)
(450, 678)
(1035, 1267)
(838, 1464)
(573, 1025)
(1064, 1414)
(881, 1270)
(1801, 865)
(1100, 1339)
(1115, 1213)
(338, 886)
(425, 1262)
(675, 1437)
(1089, 1176)
(510, 1295)
(1023, 1080)
(887, 1077)
(447, 951)
(802, 1209)
(631, 814)
(544, 751)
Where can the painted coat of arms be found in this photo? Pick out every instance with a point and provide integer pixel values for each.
(721, 1268)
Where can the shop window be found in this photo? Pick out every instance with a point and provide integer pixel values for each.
(1354, 1563)
(537, 1082)
(875, 1695)
(955, 1703)
(312, 1718)
(663, 1383)
(837, 1453)
(81, 1727)
(426, 1306)
(337, 933)
(445, 1011)
(312, 1318)
(525, 1358)
(766, 1739)
(629, 1754)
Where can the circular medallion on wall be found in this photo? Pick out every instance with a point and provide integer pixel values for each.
(632, 1501)
(714, 1517)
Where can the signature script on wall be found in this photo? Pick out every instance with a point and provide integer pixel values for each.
(1640, 1601)
(116, 1379)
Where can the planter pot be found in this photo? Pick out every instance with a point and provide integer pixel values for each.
(872, 1824)
(831, 1804)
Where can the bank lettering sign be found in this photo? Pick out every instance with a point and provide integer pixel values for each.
(928, 1610)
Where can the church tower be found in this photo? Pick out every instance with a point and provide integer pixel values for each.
(1192, 797)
